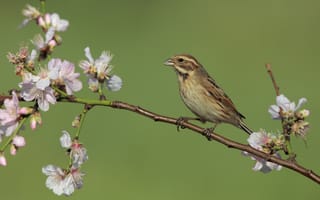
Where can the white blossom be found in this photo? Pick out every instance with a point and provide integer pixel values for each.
(9, 117)
(62, 182)
(98, 71)
(30, 13)
(58, 24)
(286, 105)
(261, 141)
(263, 165)
(114, 83)
(65, 139)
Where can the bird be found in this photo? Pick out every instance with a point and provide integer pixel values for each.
(203, 96)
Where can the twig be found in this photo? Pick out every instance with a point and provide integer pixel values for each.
(276, 87)
(288, 149)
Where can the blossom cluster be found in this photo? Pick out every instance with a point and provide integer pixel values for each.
(268, 143)
(38, 86)
(293, 122)
(9, 121)
(98, 71)
(50, 24)
(44, 81)
(66, 181)
(293, 118)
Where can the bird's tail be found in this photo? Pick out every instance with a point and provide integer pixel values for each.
(244, 127)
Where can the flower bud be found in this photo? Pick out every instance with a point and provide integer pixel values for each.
(114, 83)
(13, 150)
(35, 119)
(76, 122)
(3, 160)
(302, 114)
(25, 110)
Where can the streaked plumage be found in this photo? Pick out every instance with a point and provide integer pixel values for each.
(202, 95)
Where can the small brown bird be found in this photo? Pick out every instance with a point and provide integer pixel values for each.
(202, 95)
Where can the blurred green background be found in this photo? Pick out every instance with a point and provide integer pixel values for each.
(131, 157)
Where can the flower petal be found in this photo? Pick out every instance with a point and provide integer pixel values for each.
(114, 83)
(301, 102)
(88, 55)
(274, 111)
(65, 139)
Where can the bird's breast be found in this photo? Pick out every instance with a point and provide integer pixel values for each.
(199, 101)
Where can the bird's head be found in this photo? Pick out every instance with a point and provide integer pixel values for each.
(183, 64)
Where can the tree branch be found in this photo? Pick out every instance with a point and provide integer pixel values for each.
(197, 129)
(214, 136)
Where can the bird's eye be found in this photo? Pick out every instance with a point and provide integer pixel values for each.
(180, 60)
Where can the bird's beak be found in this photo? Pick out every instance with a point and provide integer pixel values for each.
(169, 62)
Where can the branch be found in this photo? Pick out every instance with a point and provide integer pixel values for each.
(197, 129)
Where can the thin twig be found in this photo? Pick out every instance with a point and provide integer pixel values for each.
(288, 149)
(276, 87)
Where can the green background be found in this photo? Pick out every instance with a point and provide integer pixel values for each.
(132, 157)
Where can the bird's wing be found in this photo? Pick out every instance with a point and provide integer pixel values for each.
(217, 93)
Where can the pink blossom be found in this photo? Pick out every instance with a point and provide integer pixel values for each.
(19, 141)
(77, 152)
(44, 21)
(38, 88)
(261, 141)
(30, 13)
(41, 43)
(66, 75)
(9, 117)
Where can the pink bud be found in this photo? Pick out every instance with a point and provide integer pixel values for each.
(41, 22)
(25, 111)
(3, 160)
(13, 150)
(33, 123)
(47, 18)
(35, 119)
(52, 44)
(19, 141)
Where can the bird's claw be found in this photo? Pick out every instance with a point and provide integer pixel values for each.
(180, 122)
(207, 133)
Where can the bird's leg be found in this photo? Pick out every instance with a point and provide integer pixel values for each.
(207, 132)
(181, 120)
